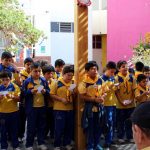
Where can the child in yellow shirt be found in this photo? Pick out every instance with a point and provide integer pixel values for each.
(142, 92)
(63, 108)
(90, 90)
(48, 73)
(59, 64)
(110, 100)
(35, 90)
(9, 96)
(125, 101)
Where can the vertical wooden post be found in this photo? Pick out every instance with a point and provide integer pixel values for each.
(81, 57)
(104, 50)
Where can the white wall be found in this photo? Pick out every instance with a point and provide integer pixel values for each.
(99, 17)
(99, 22)
(58, 45)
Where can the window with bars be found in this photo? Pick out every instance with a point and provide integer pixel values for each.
(67, 27)
(97, 42)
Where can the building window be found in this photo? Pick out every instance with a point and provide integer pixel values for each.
(62, 27)
(97, 42)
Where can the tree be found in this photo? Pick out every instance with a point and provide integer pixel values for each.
(141, 52)
(15, 27)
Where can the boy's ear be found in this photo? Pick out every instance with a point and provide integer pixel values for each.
(138, 133)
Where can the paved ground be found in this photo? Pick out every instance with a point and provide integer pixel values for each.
(125, 146)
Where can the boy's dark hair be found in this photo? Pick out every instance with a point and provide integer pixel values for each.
(90, 64)
(59, 62)
(120, 63)
(68, 69)
(141, 117)
(6, 55)
(28, 59)
(131, 70)
(47, 68)
(5, 74)
(111, 65)
(35, 65)
(146, 69)
(141, 77)
(139, 66)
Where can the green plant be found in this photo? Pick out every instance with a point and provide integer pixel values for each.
(141, 51)
(17, 30)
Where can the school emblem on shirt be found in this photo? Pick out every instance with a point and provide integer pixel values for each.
(30, 85)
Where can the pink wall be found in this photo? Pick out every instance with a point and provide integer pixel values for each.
(127, 19)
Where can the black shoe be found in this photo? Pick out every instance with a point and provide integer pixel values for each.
(107, 145)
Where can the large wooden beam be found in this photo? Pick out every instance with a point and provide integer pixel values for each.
(81, 57)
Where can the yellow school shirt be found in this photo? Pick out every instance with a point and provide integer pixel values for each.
(38, 98)
(56, 76)
(137, 73)
(60, 88)
(90, 87)
(24, 74)
(139, 91)
(8, 105)
(126, 90)
(110, 99)
(50, 101)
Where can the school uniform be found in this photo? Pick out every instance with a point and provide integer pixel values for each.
(9, 116)
(126, 91)
(93, 120)
(63, 113)
(137, 73)
(138, 92)
(35, 108)
(110, 107)
(22, 116)
(57, 75)
(50, 114)
(11, 69)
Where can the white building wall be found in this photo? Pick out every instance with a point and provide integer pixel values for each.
(99, 17)
(62, 44)
(57, 44)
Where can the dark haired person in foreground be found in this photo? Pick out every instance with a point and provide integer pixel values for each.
(141, 126)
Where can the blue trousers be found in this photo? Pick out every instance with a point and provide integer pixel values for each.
(93, 132)
(22, 121)
(36, 124)
(50, 121)
(111, 119)
(124, 125)
(63, 127)
(9, 126)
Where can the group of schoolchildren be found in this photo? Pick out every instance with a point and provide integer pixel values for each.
(37, 102)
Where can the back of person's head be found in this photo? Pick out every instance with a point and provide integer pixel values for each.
(111, 65)
(48, 68)
(139, 66)
(5, 74)
(43, 63)
(28, 59)
(68, 69)
(59, 63)
(146, 69)
(90, 64)
(120, 63)
(141, 77)
(35, 65)
(131, 71)
(6, 55)
(141, 118)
